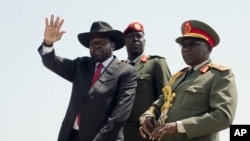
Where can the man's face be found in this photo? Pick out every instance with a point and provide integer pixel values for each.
(195, 51)
(101, 48)
(135, 43)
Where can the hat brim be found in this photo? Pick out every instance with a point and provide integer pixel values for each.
(115, 35)
(179, 40)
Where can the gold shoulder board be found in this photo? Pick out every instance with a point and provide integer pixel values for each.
(219, 67)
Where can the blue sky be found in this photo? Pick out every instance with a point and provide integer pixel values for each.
(33, 100)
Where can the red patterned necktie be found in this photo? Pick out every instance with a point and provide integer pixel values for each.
(94, 79)
(97, 73)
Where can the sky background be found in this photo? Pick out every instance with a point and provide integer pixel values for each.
(33, 100)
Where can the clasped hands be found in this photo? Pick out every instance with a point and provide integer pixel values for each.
(152, 129)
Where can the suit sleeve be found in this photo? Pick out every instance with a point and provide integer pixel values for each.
(124, 102)
(61, 66)
(222, 101)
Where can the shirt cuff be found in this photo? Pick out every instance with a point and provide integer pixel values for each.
(47, 50)
(180, 127)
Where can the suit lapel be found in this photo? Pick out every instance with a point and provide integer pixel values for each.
(110, 70)
(144, 58)
(139, 66)
(107, 74)
(179, 81)
(188, 80)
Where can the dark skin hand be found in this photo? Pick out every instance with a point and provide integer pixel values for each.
(155, 131)
(163, 129)
(147, 125)
(53, 31)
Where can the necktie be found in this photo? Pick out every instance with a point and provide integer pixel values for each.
(97, 73)
(132, 63)
(189, 72)
(94, 79)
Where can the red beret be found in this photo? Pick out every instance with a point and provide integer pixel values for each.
(134, 27)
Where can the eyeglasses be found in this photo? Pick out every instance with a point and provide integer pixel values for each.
(191, 44)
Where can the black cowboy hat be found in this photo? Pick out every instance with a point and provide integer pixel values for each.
(103, 29)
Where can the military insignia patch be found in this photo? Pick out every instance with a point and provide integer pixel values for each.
(137, 27)
(187, 28)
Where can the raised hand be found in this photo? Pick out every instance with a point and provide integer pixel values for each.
(52, 31)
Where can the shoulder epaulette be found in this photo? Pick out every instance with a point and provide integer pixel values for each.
(155, 56)
(145, 58)
(219, 67)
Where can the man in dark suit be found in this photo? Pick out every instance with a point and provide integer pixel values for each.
(199, 100)
(153, 74)
(99, 105)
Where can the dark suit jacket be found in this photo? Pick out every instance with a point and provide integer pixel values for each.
(105, 106)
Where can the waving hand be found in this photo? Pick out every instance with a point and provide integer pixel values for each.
(52, 31)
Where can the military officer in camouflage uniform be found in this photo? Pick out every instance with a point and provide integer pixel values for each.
(153, 74)
(200, 100)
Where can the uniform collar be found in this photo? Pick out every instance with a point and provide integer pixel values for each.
(200, 65)
(135, 60)
(142, 58)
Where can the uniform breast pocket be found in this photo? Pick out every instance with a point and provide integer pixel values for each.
(144, 83)
(195, 97)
